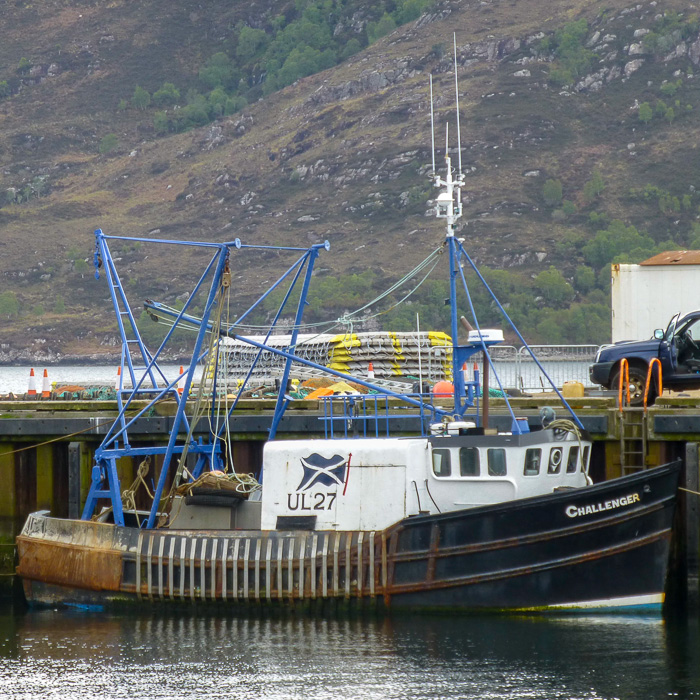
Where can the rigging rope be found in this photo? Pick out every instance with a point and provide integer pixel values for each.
(347, 319)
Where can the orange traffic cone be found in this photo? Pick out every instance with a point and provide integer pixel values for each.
(46, 386)
(31, 391)
(370, 371)
(181, 381)
(465, 372)
(118, 380)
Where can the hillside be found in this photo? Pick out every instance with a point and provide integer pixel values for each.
(579, 125)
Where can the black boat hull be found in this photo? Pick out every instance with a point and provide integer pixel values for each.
(601, 547)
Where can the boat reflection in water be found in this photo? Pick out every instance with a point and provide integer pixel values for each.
(51, 655)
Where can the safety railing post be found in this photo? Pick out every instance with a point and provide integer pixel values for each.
(624, 381)
(654, 361)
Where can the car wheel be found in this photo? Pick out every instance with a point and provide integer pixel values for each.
(638, 379)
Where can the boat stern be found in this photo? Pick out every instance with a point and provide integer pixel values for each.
(56, 554)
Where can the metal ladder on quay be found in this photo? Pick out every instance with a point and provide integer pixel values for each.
(633, 419)
(633, 440)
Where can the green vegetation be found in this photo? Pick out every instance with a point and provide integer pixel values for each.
(108, 143)
(312, 36)
(168, 94)
(584, 279)
(593, 187)
(9, 306)
(141, 98)
(59, 305)
(645, 113)
(669, 30)
(572, 59)
(670, 89)
(618, 243)
(385, 25)
(552, 192)
(555, 290)
(668, 203)
(24, 66)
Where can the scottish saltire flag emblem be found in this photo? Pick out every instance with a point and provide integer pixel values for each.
(319, 470)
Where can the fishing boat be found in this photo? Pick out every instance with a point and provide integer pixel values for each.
(449, 515)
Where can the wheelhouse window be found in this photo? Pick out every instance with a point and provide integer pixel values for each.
(572, 461)
(555, 457)
(584, 461)
(533, 457)
(441, 463)
(497, 461)
(469, 461)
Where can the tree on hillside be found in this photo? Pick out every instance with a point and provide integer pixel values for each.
(108, 143)
(553, 287)
(384, 26)
(617, 240)
(584, 279)
(141, 98)
(593, 187)
(552, 192)
(645, 113)
(168, 94)
(219, 71)
(573, 59)
(250, 42)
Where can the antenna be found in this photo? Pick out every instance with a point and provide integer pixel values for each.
(447, 139)
(432, 122)
(448, 204)
(459, 140)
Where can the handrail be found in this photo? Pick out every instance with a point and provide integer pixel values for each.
(654, 360)
(624, 380)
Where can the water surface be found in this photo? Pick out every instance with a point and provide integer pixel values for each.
(51, 654)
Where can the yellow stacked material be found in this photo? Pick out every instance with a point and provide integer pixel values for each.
(343, 388)
(348, 340)
(391, 353)
(439, 338)
(398, 347)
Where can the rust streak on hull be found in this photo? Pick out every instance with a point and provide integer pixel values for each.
(69, 565)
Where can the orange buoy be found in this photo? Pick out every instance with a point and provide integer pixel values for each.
(443, 388)
(31, 390)
(46, 386)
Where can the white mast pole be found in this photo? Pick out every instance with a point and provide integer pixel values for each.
(432, 122)
(459, 140)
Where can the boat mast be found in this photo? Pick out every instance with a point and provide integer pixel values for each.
(449, 207)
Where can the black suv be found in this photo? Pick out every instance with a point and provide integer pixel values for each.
(677, 348)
